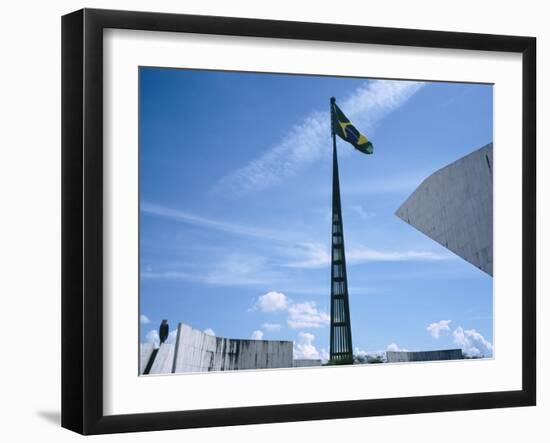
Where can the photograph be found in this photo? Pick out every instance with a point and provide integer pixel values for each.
(300, 220)
(267, 222)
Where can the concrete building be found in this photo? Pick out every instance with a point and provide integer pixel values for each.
(454, 207)
(406, 356)
(196, 351)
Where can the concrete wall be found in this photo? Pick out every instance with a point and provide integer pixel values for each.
(195, 351)
(454, 207)
(164, 360)
(145, 351)
(303, 362)
(444, 354)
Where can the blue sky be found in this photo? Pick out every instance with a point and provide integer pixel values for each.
(235, 197)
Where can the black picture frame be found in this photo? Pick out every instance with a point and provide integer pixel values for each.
(82, 215)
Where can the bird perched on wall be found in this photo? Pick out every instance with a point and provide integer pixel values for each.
(163, 331)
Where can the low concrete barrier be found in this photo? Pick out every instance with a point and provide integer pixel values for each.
(444, 354)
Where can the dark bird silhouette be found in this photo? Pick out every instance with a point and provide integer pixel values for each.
(163, 331)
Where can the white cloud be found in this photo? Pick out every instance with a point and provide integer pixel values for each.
(305, 349)
(393, 347)
(144, 320)
(153, 337)
(307, 141)
(272, 301)
(300, 315)
(435, 328)
(271, 327)
(458, 335)
(257, 335)
(306, 315)
(476, 336)
(471, 341)
(473, 351)
(209, 331)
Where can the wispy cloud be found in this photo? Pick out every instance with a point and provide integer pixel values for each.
(306, 141)
(251, 269)
(205, 222)
(316, 255)
(365, 254)
(404, 183)
(234, 269)
(310, 255)
(362, 212)
(168, 275)
(144, 320)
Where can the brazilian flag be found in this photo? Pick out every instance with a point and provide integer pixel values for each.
(346, 131)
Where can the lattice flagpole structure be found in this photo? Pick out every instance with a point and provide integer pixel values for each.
(341, 351)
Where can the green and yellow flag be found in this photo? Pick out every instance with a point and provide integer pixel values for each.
(346, 131)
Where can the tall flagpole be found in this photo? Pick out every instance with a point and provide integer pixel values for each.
(341, 350)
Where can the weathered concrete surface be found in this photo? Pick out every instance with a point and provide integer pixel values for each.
(443, 354)
(454, 207)
(164, 360)
(303, 362)
(195, 351)
(145, 351)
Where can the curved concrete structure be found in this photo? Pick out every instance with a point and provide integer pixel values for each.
(454, 207)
